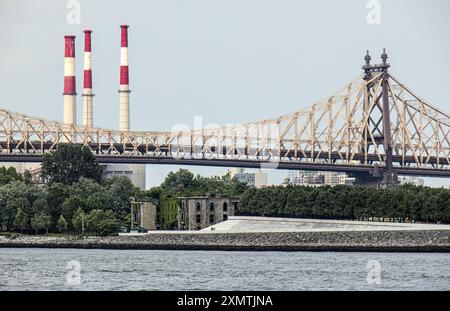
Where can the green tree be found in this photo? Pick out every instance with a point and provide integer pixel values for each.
(23, 212)
(56, 194)
(40, 205)
(8, 174)
(13, 195)
(62, 224)
(69, 163)
(22, 219)
(101, 222)
(119, 191)
(71, 206)
(79, 220)
(181, 180)
(152, 193)
(41, 221)
(184, 183)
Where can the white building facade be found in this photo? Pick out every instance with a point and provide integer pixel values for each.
(314, 178)
(256, 179)
(135, 172)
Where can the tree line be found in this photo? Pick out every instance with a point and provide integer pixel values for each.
(99, 207)
(401, 203)
(75, 198)
(184, 183)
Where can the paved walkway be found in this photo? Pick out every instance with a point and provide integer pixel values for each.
(273, 224)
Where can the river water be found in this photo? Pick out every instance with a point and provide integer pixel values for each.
(81, 269)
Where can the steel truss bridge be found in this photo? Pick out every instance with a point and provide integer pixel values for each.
(374, 126)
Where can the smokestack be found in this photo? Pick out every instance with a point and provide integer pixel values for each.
(124, 90)
(70, 103)
(87, 83)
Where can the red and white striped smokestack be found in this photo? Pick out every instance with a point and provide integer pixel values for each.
(87, 83)
(70, 106)
(124, 90)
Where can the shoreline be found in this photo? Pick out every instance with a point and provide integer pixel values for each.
(320, 241)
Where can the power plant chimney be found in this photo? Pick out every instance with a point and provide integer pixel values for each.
(70, 103)
(87, 83)
(124, 90)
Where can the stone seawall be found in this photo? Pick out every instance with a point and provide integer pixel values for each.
(382, 241)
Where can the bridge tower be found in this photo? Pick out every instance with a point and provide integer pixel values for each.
(70, 103)
(124, 89)
(379, 116)
(87, 82)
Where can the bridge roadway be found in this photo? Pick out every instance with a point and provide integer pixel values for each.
(288, 164)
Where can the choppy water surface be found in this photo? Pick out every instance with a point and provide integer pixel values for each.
(46, 269)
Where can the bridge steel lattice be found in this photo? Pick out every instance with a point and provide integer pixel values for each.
(374, 125)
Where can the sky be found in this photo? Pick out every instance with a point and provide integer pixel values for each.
(226, 61)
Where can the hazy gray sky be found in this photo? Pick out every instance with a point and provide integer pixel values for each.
(224, 60)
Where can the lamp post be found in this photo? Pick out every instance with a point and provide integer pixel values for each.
(82, 223)
(132, 203)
